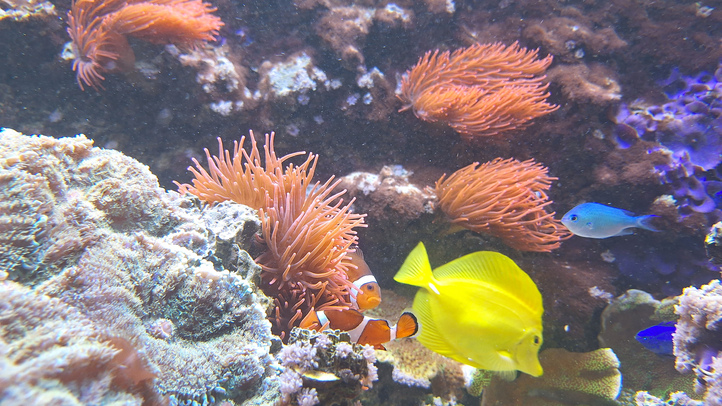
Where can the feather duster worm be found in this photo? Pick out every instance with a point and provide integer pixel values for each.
(482, 90)
(308, 234)
(505, 198)
(98, 29)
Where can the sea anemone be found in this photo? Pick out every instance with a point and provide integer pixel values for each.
(505, 198)
(482, 90)
(308, 232)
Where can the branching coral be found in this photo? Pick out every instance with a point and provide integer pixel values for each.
(505, 198)
(308, 234)
(482, 90)
(698, 336)
(98, 29)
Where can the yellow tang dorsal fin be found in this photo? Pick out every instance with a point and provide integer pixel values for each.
(495, 269)
(416, 270)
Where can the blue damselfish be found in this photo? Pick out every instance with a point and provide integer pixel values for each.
(594, 220)
(658, 339)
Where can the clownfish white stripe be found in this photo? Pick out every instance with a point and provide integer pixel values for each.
(322, 319)
(356, 332)
(358, 283)
(362, 281)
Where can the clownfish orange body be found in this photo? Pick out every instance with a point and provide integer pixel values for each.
(362, 329)
(369, 294)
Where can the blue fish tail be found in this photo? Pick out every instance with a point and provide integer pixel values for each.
(645, 222)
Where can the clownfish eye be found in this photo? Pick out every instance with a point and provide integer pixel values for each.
(573, 217)
(537, 340)
(370, 287)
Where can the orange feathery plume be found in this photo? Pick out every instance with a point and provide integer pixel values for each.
(308, 234)
(505, 198)
(243, 178)
(482, 90)
(98, 29)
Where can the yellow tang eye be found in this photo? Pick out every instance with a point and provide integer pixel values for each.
(537, 340)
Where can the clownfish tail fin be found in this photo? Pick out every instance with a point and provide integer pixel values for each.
(407, 325)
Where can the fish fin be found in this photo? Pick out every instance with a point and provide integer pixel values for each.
(377, 331)
(310, 321)
(625, 231)
(429, 334)
(407, 325)
(494, 269)
(507, 375)
(416, 270)
(645, 222)
(345, 320)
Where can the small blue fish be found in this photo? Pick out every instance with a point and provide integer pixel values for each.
(594, 220)
(658, 339)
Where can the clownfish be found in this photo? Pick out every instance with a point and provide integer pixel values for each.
(362, 329)
(369, 294)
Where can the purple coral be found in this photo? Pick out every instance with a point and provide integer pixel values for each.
(689, 125)
(668, 267)
(689, 129)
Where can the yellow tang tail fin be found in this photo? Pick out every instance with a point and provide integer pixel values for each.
(416, 270)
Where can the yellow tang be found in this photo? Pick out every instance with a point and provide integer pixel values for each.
(481, 310)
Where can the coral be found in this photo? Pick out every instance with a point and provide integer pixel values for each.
(621, 320)
(688, 125)
(344, 25)
(99, 28)
(574, 36)
(307, 230)
(713, 244)
(295, 75)
(482, 90)
(78, 195)
(594, 83)
(126, 310)
(661, 267)
(53, 353)
(505, 198)
(325, 368)
(415, 365)
(697, 338)
(569, 378)
(643, 398)
(221, 76)
(21, 10)
(688, 129)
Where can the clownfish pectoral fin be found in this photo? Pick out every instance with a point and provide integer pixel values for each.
(376, 331)
(310, 321)
(407, 325)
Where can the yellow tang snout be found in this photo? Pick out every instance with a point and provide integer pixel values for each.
(527, 353)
